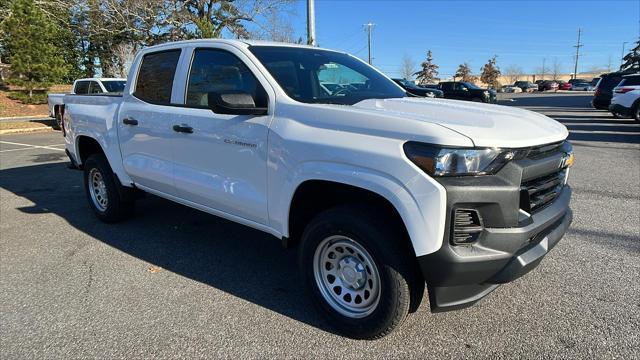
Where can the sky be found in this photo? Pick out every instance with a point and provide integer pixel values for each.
(520, 33)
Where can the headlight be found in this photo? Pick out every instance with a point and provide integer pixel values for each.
(438, 161)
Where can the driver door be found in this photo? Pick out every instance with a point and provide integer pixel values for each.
(221, 162)
(461, 91)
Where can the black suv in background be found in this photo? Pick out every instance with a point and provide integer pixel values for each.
(467, 91)
(416, 90)
(604, 89)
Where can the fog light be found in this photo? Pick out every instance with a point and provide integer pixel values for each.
(467, 226)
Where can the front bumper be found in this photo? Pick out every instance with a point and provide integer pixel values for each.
(510, 243)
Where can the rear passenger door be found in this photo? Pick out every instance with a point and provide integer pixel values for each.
(145, 122)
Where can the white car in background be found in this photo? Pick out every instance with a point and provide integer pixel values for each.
(624, 102)
(87, 86)
(627, 104)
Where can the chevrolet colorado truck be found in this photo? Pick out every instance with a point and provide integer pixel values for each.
(381, 193)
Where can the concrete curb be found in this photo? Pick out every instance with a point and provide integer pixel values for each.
(25, 118)
(26, 130)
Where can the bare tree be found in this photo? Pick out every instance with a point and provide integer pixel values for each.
(276, 26)
(556, 68)
(124, 54)
(408, 67)
(513, 73)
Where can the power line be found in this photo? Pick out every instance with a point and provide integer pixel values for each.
(578, 45)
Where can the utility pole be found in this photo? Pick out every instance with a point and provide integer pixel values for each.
(311, 23)
(622, 56)
(577, 46)
(369, 26)
(544, 60)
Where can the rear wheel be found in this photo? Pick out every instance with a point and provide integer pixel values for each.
(58, 119)
(617, 115)
(636, 112)
(102, 190)
(359, 271)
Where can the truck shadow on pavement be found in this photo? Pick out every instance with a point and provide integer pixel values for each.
(235, 259)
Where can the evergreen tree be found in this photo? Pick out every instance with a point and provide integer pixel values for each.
(29, 38)
(632, 59)
(429, 72)
(464, 73)
(490, 73)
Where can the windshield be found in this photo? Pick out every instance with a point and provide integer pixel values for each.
(471, 86)
(321, 76)
(114, 86)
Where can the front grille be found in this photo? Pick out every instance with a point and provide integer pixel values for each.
(537, 193)
(542, 151)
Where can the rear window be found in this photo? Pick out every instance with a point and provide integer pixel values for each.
(630, 80)
(609, 82)
(155, 78)
(114, 86)
(82, 87)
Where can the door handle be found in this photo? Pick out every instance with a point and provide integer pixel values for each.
(129, 121)
(183, 128)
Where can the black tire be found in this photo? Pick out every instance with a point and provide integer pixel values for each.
(617, 115)
(115, 208)
(57, 125)
(636, 111)
(401, 286)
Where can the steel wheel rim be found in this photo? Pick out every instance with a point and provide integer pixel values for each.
(347, 276)
(98, 190)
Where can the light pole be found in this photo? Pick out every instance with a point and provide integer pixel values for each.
(369, 26)
(311, 23)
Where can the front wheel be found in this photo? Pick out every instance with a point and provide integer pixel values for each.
(359, 271)
(102, 192)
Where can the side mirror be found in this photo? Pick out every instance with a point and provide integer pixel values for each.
(234, 103)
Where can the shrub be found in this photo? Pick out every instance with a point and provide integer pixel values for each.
(23, 97)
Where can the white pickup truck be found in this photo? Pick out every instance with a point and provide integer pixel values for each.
(84, 87)
(380, 192)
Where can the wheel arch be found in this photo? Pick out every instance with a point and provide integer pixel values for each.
(421, 223)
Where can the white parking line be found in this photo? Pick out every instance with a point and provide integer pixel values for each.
(29, 147)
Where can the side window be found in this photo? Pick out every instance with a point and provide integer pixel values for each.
(94, 88)
(460, 87)
(447, 86)
(220, 71)
(82, 87)
(155, 77)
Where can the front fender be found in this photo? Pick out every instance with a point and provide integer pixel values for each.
(421, 202)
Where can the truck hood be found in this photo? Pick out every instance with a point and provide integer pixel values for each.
(486, 125)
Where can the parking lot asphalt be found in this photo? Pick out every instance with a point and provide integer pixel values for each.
(173, 282)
